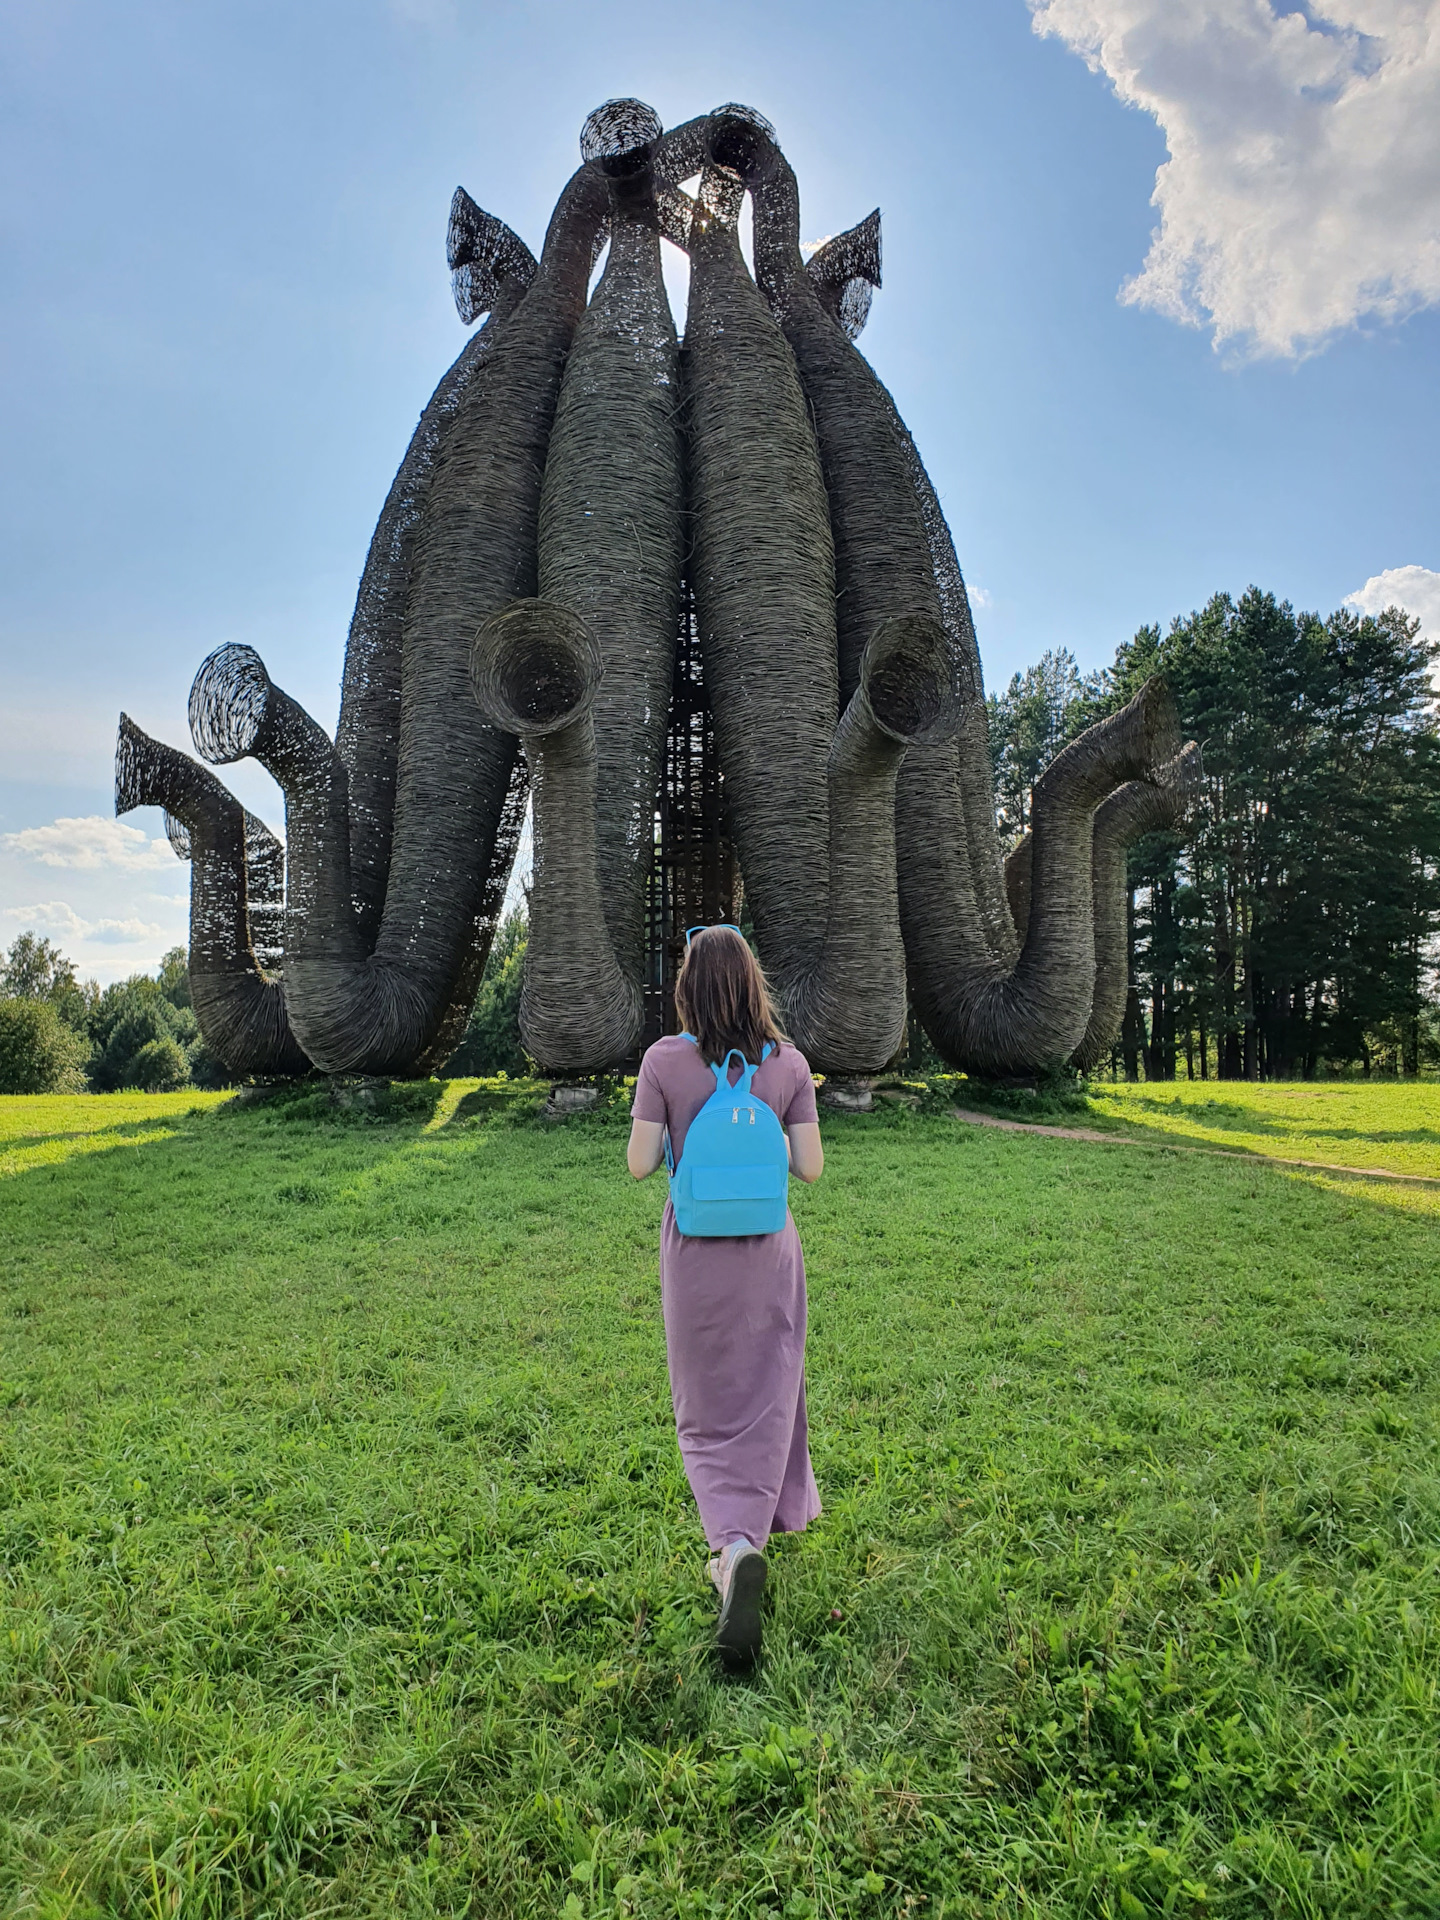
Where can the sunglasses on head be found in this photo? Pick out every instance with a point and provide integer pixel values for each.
(727, 925)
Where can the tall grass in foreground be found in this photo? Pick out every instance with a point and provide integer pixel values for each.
(348, 1566)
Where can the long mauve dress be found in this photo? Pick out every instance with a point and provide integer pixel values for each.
(735, 1322)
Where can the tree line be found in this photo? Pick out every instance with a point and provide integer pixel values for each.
(61, 1034)
(1289, 929)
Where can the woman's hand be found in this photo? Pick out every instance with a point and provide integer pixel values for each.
(807, 1155)
(647, 1147)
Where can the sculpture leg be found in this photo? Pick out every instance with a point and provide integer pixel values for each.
(536, 671)
(241, 1013)
(387, 1011)
(982, 1016)
(1132, 811)
(847, 1013)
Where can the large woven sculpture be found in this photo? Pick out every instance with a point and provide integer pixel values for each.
(590, 519)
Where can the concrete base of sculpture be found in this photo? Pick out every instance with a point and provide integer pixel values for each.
(259, 1091)
(567, 1098)
(351, 1093)
(847, 1096)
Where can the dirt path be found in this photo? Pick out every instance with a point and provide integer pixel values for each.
(973, 1119)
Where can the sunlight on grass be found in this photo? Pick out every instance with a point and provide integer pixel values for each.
(28, 1116)
(52, 1153)
(445, 1110)
(1393, 1126)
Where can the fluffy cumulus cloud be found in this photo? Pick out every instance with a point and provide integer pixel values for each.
(91, 843)
(57, 918)
(1301, 195)
(1416, 589)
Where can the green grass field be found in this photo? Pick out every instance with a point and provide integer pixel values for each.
(348, 1568)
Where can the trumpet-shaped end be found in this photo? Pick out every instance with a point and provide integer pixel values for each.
(909, 680)
(621, 135)
(229, 704)
(535, 668)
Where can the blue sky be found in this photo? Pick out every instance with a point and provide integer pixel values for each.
(225, 303)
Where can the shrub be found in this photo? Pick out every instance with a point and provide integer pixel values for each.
(132, 1015)
(38, 1052)
(160, 1067)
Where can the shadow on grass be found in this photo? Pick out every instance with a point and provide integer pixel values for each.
(34, 1153)
(1230, 1116)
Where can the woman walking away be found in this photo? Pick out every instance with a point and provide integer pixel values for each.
(732, 1277)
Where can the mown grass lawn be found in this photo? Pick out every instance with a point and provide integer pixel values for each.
(1354, 1123)
(348, 1566)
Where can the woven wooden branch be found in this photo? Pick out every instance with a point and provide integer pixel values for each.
(979, 1013)
(241, 1012)
(492, 267)
(1132, 811)
(474, 550)
(536, 671)
(612, 519)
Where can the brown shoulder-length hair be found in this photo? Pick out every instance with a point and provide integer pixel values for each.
(722, 998)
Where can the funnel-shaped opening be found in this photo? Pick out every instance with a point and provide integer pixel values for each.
(908, 675)
(535, 667)
(229, 702)
(621, 135)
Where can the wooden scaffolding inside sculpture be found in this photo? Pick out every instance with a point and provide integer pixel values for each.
(693, 876)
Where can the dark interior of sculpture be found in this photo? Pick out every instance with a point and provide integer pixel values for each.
(697, 602)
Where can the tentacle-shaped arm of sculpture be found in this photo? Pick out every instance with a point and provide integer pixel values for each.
(612, 514)
(474, 549)
(761, 568)
(817, 849)
(999, 1020)
(236, 711)
(846, 272)
(893, 552)
(847, 1013)
(484, 257)
(241, 1013)
(491, 269)
(536, 671)
(1132, 811)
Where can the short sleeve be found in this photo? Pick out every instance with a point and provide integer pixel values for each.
(802, 1109)
(649, 1099)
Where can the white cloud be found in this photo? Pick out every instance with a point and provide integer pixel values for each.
(60, 918)
(92, 842)
(1416, 589)
(1302, 190)
(977, 596)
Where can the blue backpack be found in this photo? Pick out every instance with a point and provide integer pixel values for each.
(734, 1175)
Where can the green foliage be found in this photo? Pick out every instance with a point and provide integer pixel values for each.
(133, 1022)
(1039, 711)
(36, 969)
(349, 1566)
(492, 1039)
(174, 977)
(39, 1053)
(160, 1066)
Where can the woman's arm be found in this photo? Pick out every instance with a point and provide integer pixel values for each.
(647, 1147)
(807, 1155)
